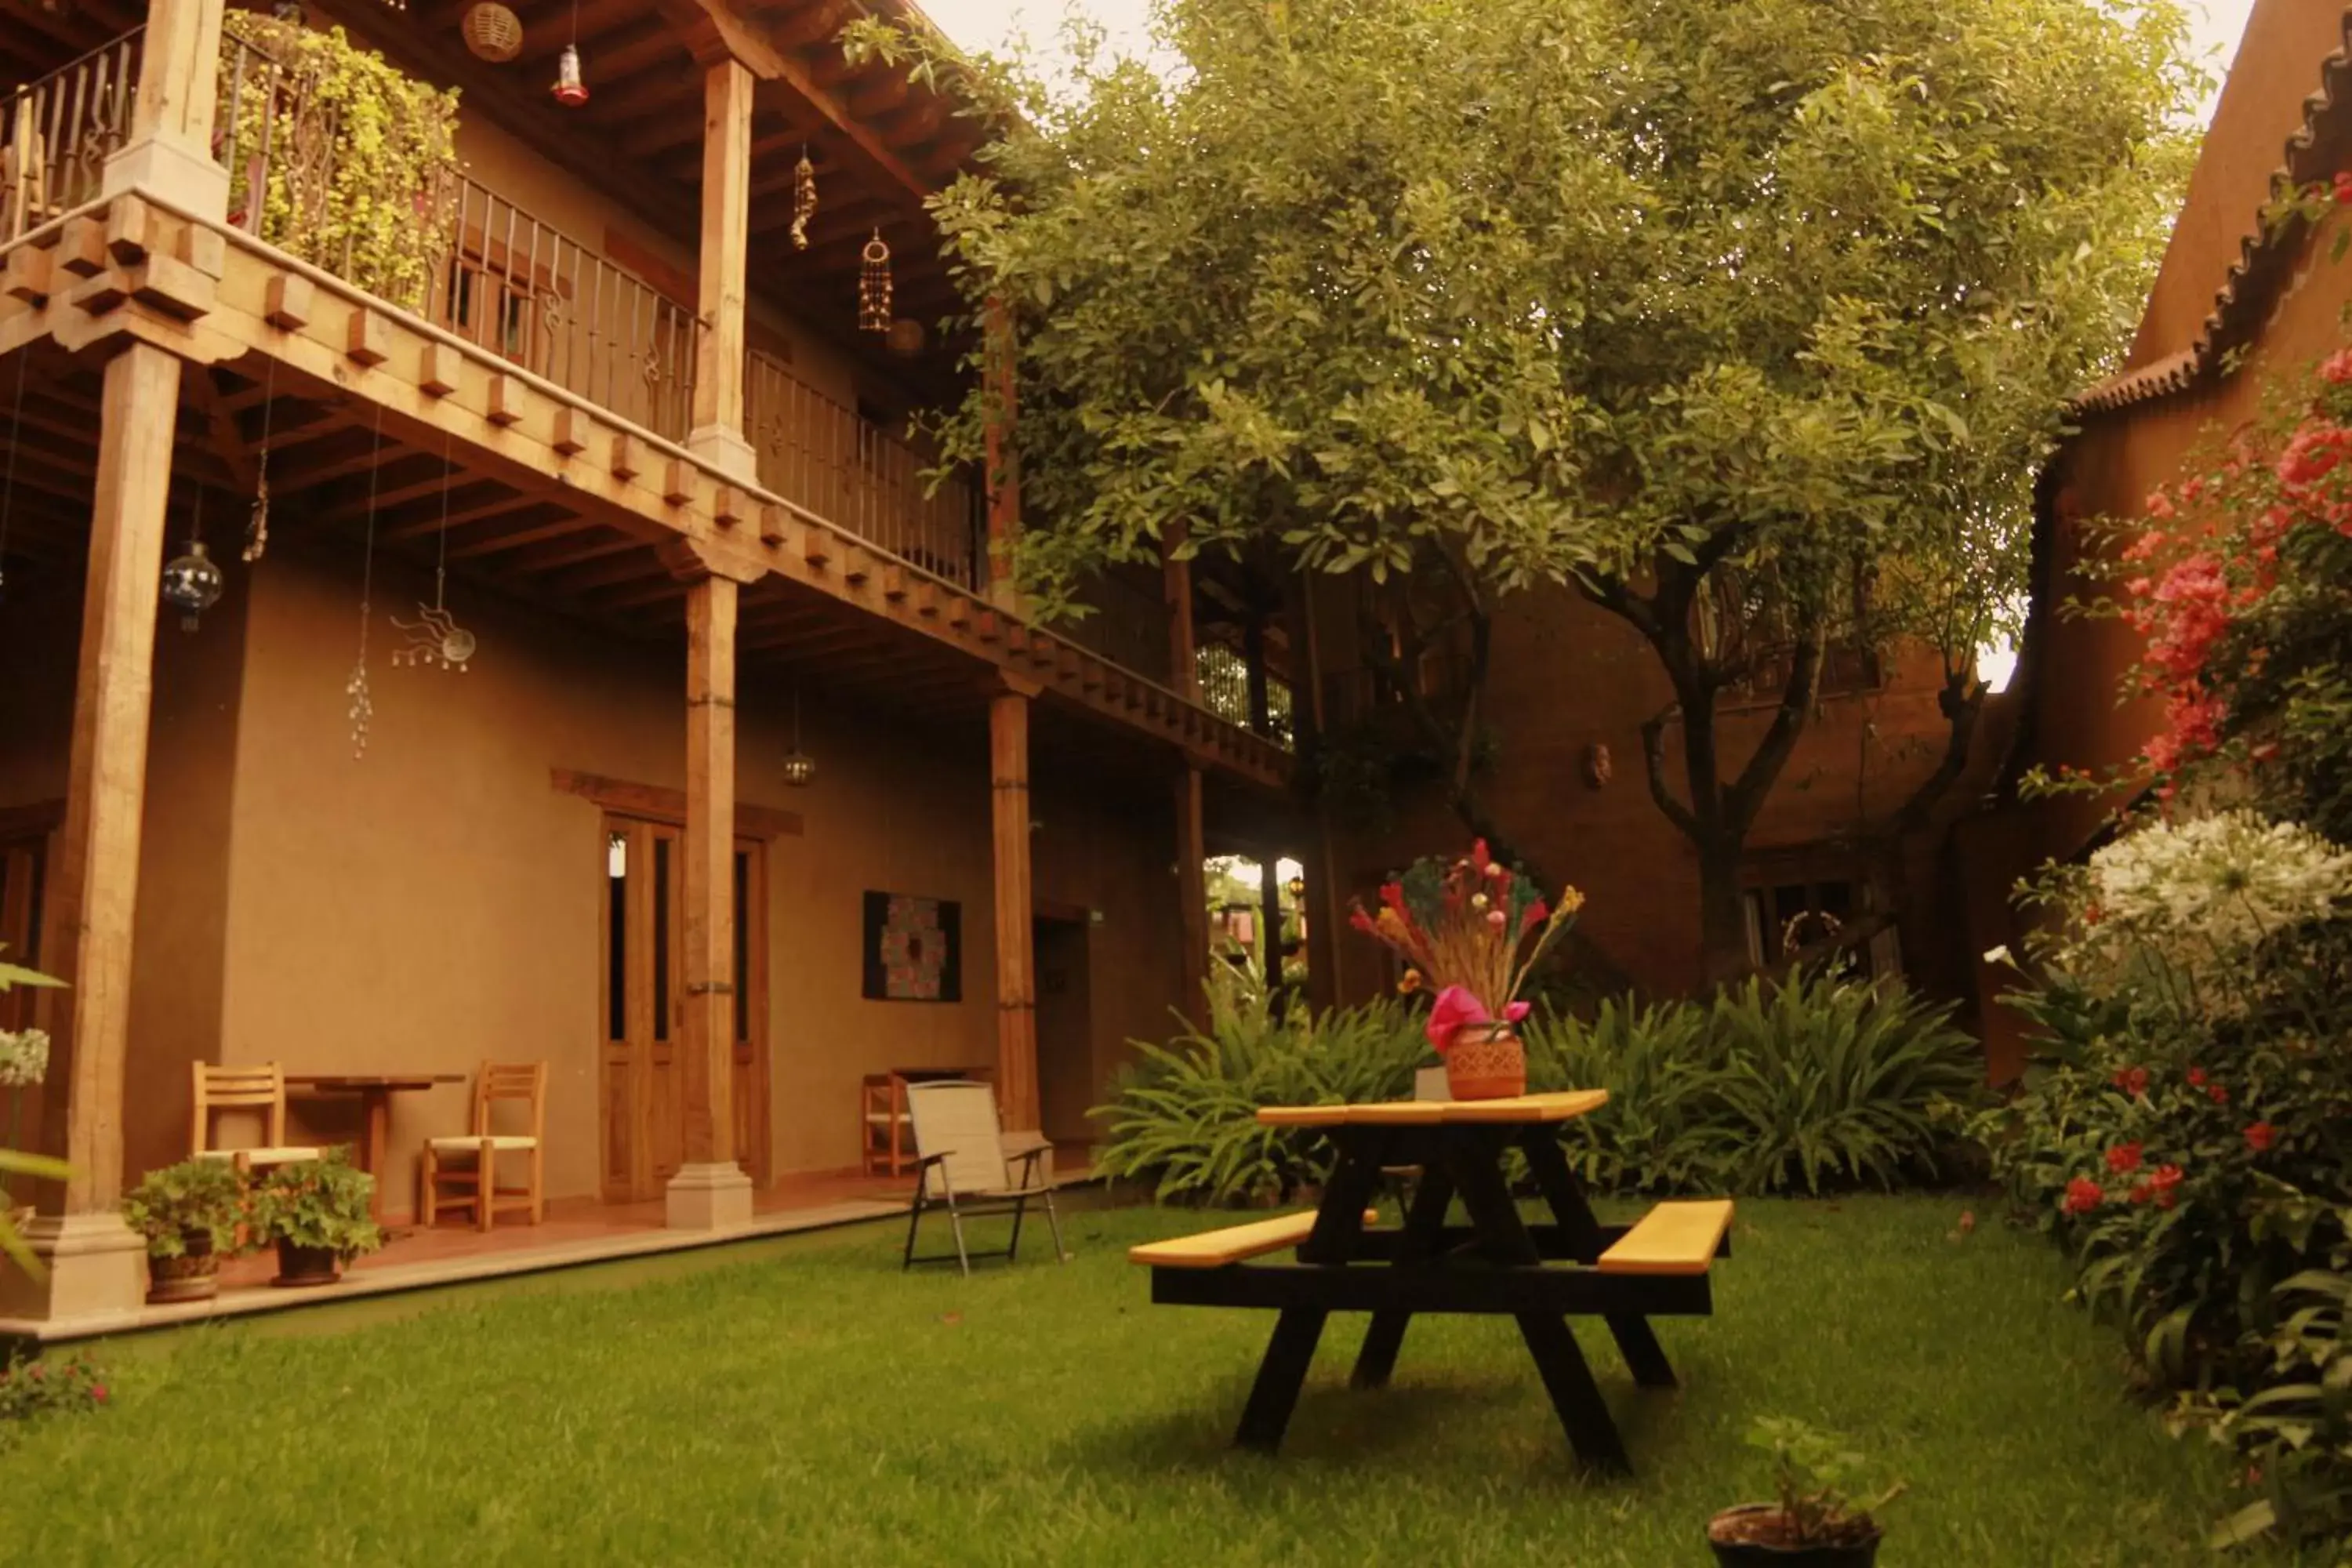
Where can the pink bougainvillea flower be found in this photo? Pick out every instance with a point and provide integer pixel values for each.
(2082, 1195)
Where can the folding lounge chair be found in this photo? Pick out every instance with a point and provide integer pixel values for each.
(965, 1164)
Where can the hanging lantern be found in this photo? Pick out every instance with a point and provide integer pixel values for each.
(1295, 887)
(191, 585)
(803, 199)
(874, 287)
(906, 339)
(800, 768)
(492, 32)
(570, 91)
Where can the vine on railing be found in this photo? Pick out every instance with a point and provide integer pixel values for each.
(335, 156)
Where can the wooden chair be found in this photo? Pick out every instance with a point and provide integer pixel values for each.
(967, 1165)
(463, 1171)
(262, 1087)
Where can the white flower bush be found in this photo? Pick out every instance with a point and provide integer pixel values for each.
(2185, 903)
(24, 1057)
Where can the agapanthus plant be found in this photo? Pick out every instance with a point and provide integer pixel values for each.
(1474, 929)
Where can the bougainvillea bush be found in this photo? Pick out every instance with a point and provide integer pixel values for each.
(2187, 1132)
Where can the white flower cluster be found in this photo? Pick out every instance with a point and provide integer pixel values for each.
(2229, 879)
(24, 1057)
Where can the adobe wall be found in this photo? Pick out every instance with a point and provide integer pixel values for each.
(1565, 677)
(437, 903)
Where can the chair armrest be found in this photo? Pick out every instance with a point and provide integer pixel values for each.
(1017, 1144)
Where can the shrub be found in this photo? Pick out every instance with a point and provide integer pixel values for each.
(1184, 1117)
(195, 1196)
(1821, 1080)
(31, 1386)
(318, 1203)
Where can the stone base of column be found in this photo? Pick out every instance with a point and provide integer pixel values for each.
(726, 450)
(709, 1197)
(96, 1271)
(170, 171)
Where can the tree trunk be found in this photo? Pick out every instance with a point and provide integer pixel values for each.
(1723, 913)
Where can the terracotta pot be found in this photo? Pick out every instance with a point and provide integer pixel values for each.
(1727, 1530)
(1485, 1062)
(304, 1266)
(193, 1277)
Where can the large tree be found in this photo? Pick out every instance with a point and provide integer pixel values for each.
(1751, 322)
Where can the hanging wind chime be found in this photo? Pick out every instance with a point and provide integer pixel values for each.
(803, 198)
(362, 706)
(257, 526)
(9, 481)
(571, 87)
(192, 584)
(800, 768)
(874, 286)
(435, 637)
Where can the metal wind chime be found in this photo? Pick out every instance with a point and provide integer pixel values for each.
(435, 637)
(874, 286)
(803, 199)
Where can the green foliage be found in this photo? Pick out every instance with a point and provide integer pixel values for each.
(34, 1385)
(205, 1197)
(360, 161)
(13, 1163)
(318, 1203)
(1812, 1471)
(1818, 1082)
(1184, 1116)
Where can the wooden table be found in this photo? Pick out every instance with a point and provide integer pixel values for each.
(1538, 1274)
(375, 1092)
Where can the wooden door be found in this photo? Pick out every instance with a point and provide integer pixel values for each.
(23, 865)
(642, 1113)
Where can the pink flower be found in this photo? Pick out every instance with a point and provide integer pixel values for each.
(2338, 368)
(98, 1392)
(1497, 919)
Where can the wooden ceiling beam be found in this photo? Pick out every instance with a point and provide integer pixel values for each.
(557, 527)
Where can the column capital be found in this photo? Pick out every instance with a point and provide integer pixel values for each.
(691, 560)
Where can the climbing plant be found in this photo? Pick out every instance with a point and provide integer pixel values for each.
(335, 156)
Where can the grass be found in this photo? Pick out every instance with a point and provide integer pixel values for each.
(804, 1403)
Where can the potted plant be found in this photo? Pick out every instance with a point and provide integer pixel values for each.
(189, 1212)
(316, 1211)
(1472, 928)
(1814, 1522)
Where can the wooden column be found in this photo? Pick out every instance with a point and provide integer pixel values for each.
(1191, 890)
(94, 1259)
(1261, 709)
(1321, 906)
(709, 1190)
(1001, 480)
(169, 150)
(1269, 910)
(1176, 574)
(1016, 979)
(718, 435)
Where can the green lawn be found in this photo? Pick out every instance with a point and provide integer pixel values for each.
(804, 1403)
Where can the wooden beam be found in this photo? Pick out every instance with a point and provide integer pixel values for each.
(707, 1060)
(664, 805)
(1176, 579)
(179, 73)
(726, 217)
(94, 881)
(1016, 982)
(1191, 888)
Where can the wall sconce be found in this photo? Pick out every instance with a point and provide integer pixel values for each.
(1295, 887)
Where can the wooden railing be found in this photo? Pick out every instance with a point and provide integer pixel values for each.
(1224, 677)
(822, 455)
(57, 134)
(1129, 625)
(470, 261)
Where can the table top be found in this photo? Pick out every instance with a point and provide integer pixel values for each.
(372, 1080)
(1526, 1109)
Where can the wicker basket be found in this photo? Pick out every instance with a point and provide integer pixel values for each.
(493, 32)
(1486, 1062)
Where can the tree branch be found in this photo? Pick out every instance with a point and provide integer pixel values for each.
(1654, 762)
(1746, 797)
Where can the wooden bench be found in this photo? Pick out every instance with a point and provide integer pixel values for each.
(1679, 1238)
(1215, 1249)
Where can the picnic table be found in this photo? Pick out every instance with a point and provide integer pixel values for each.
(1539, 1275)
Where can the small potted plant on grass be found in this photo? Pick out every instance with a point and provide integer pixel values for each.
(1474, 929)
(189, 1212)
(316, 1211)
(1814, 1522)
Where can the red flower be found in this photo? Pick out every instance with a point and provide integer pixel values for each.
(2132, 1081)
(2343, 187)
(2164, 1180)
(98, 1392)
(2122, 1157)
(2141, 1192)
(1538, 912)
(2261, 1136)
(1478, 856)
(2219, 1095)
(2082, 1195)
(2196, 1078)
(2338, 368)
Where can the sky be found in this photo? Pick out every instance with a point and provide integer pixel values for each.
(995, 23)
(992, 24)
